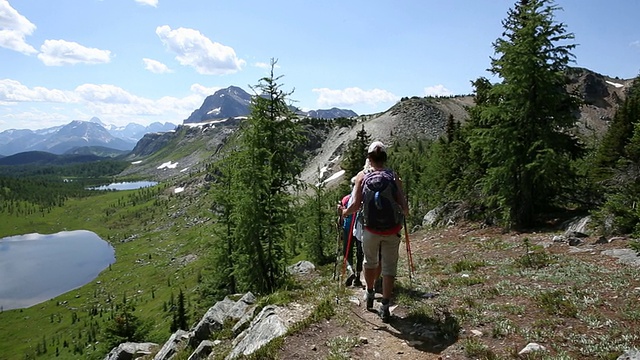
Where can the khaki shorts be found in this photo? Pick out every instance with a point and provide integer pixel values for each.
(387, 245)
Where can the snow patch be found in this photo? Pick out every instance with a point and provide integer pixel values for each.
(614, 84)
(333, 177)
(168, 165)
(178, 190)
(214, 111)
(185, 169)
(136, 162)
(205, 123)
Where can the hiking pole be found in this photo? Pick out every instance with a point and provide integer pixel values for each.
(346, 252)
(335, 265)
(338, 241)
(409, 255)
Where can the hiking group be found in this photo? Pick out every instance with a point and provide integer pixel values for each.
(373, 216)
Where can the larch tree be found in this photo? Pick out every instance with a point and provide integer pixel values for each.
(522, 123)
(356, 154)
(268, 163)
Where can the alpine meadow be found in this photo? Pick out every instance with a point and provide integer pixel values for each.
(521, 240)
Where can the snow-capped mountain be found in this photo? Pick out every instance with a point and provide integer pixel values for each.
(223, 104)
(234, 102)
(60, 139)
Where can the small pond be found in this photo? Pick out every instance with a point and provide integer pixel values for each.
(127, 185)
(35, 268)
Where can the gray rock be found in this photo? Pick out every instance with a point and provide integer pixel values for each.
(531, 347)
(264, 328)
(213, 319)
(632, 354)
(240, 307)
(577, 225)
(173, 345)
(203, 350)
(244, 320)
(130, 350)
(301, 267)
(625, 256)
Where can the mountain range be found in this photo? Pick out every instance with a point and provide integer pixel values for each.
(75, 135)
(229, 103)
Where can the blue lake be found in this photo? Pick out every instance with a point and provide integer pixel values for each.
(35, 268)
(127, 185)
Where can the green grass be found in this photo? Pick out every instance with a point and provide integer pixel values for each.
(149, 241)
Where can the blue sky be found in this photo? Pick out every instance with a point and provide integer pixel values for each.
(144, 61)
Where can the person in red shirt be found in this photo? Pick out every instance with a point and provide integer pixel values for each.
(377, 242)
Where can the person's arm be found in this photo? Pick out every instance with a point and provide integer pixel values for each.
(357, 196)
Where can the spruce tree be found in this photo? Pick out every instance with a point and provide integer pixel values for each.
(522, 124)
(356, 154)
(267, 166)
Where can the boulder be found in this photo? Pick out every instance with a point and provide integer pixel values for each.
(264, 328)
(130, 350)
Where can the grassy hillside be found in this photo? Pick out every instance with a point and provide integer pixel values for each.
(157, 239)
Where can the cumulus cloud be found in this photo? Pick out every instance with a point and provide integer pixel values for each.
(203, 90)
(196, 50)
(61, 52)
(155, 66)
(262, 65)
(437, 90)
(153, 3)
(352, 96)
(110, 103)
(14, 27)
(14, 91)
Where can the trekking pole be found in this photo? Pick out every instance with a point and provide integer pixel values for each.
(346, 252)
(338, 241)
(409, 255)
(335, 265)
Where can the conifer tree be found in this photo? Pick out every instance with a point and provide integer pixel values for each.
(125, 326)
(522, 124)
(356, 154)
(267, 166)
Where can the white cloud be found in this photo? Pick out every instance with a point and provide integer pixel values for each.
(33, 119)
(196, 50)
(61, 52)
(14, 28)
(437, 90)
(635, 44)
(153, 3)
(262, 65)
(352, 96)
(203, 90)
(155, 66)
(110, 103)
(14, 91)
(105, 93)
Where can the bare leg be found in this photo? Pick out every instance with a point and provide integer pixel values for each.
(387, 286)
(370, 276)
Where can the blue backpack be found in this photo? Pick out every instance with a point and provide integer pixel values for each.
(380, 210)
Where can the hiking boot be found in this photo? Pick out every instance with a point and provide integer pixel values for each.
(357, 282)
(349, 281)
(384, 313)
(369, 297)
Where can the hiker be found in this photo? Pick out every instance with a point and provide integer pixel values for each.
(348, 243)
(379, 196)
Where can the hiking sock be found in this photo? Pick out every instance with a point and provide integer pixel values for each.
(370, 296)
(385, 314)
